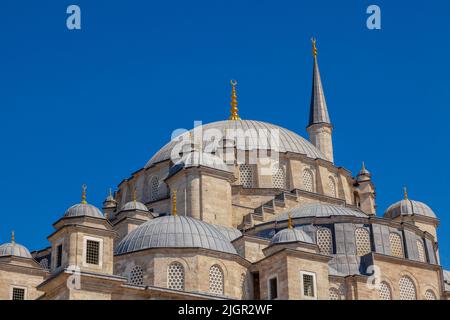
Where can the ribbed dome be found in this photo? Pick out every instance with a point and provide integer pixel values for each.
(319, 210)
(14, 249)
(291, 235)
(175, 232)
(134, 205)
(83, 209)
(288, 141)
(408, 207)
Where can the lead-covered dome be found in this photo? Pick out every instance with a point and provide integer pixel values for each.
(407, 207)
(83, 209)
(291, 235)
(288, 141)
(319, 210)
(14, 249)
(134, 205)
(175, 232)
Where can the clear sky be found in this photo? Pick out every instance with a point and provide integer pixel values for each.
(93, 105)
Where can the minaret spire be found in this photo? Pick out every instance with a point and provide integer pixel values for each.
(319, 125)
(234, 110)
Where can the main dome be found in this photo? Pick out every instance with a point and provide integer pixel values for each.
(288, 141)
(175, 232)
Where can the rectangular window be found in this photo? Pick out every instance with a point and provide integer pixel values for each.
(256, 289)
(59, 256)
(18, 294)
(92, 251)
(273, 288)
(309, 285)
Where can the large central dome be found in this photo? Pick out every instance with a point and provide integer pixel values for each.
(288, 141)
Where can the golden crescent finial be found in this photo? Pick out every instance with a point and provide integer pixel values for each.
(405, 193)
(290, 225)
(134, 194)
(234, 110)
(83, 194)
(174, 203)
(13, 238)
(314, 48)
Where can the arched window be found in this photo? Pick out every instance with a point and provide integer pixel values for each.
(429, 295)
(362, 238)
(384, 291)
(357, 199)
(407, 289)
(334, 294)
(421, 250)
(396, 245)
(136, 276)
(243, 286)
(332, 187)
(279, 176)
(215, 280)
(175, 276)
(44, 263)
(308, 180)
(324, 241)
(247, 175)
(154, 188)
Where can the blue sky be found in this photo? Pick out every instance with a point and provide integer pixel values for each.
(93, 105)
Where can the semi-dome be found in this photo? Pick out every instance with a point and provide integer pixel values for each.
(14, 249)
(83, 209)
(134, 205)
(288, 141)
(407, 207)
(319, 210)
(291, 235)
(175, 232)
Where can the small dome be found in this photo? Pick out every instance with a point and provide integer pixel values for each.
(134, 205)
(408, 207)
(175, 232)
(83, 209)
(319, 210)
(14, 249)
(291, 235)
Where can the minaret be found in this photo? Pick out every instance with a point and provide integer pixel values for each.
(319, 126)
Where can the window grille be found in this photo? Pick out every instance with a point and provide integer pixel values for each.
(362, 238)
(136, 276)
(92, 251)
(175, 276)
(324, 241)
(215, 280)
(407, 289)
(384, 291)
(396, 245)
(308, 180)
(18, 294)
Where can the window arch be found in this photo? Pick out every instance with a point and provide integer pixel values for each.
(175, 276)
(154, 188)
(407, 289)
(384, 291)
(429, 295)
(324, 240)
(357, 199)
(421, 250)
(308, 180)
(332, 187)
(247, 175)
(136, 276)
(216, 280)
(362, 238)
(279, 176)
(396, 245)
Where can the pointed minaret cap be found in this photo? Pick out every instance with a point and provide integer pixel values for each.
(234, 110)
(318, 112)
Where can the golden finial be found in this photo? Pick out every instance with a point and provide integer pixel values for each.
(290, 225)
(13, 238)
(174, 202)
(234, 110)
(314, 48)
(134, 195)
(83, 194)
(405, 193)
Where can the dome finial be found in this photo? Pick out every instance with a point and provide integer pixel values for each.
(314, 48)
(83, 194)
(290, 225)
(134, 195)
(13, 238)
(363, 168)
(405, 193)
(110, 193)
(234, 110)
(174, 203)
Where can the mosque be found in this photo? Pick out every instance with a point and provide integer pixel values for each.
(237, 209)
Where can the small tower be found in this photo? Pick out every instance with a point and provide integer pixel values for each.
(365, 191)
(109, 205)
(319, 126)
